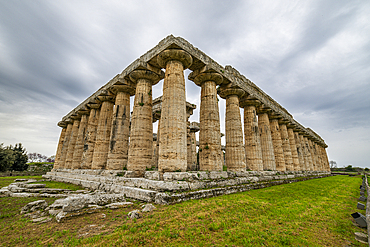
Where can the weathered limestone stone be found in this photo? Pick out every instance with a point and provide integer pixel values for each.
(210, 156)
(77, 155)
(252, 139)
(267, 147)
(63, 153)
(193, 128)
(191, 164)
(155, 151)
(278, 145)
(313, 157)
(101, 146)
(135, 214)
(173, 142)
(72, 142)
(235, 152)
(300, 151)
(60, 144)
(141, 137)
(148, 207)
(293, 149)
(90, 137)
(326, 160)
(119, 137)
(308, 154)
(286, 147)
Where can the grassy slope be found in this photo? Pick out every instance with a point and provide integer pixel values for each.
(309, 213)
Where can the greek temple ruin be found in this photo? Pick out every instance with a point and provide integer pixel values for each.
(101, 139)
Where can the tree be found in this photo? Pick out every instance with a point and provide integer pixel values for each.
(20, 158)
(51, 159)
(7, 158)
(349, 168)
(36, 157)
(333, 164)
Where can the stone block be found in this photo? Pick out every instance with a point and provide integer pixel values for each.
(152, 175)
(218, 175)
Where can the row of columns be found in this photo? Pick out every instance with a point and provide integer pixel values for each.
(97, 137)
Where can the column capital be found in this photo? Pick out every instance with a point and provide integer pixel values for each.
(83, 111)
(62, 124)
(199, 77)
(248, 101)
(146, 74)
(194, 127)
(174, 54)
(263, 109)
(75, 117)
(115, 89)
(273, 115)
(225, 92)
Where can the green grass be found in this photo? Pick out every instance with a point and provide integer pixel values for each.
(309, 213)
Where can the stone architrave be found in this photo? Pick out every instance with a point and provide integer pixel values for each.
(253, 151)
(102, 139)
(141, 137)
(173, 141)
(72, 142)
(119, 136)
(300, 152)
(90, 136)
(268, 156)
(79, 146)
(210, 156)
(293, 149)
(286, 147)
(278, 145)
(63, 125)
(235, 152)
(67, 137)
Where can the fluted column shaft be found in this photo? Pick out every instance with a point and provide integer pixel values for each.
(286, 148)
(253, 151)
(173, 141)
(141, 137)
(326, 160)
(59, 148)
(304, 152)
(307, 153)
(119, 136)
(72, 143)
(268, 156)
(300, 152)
(235, 152)
(193, 141)
(101, 147)
(313, 157)
(77, 155)
(278, 145)
(90, 136)
(63, 153)
(293, 149)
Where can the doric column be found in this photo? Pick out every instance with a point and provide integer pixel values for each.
(300, 151)
(210, 156)
(63, 125)
(235, 152)
(317, 156)
(308, 158)
(286, 146)
(141, 136)
(90, 136)
(119, 136)
(313, 157)
(193, 128)
(172, 142)
(72, 141)
(304, 152)
(293, 149)
(326, 160)
(277, 143)
(253, 151)
(67, 137)
(77, 154)
(268, 156)
(101, 147)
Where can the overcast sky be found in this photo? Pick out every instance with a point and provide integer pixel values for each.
(313, 57)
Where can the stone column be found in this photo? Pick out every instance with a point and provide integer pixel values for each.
(286, 147)
(235, 151)
(312, 152)
(90, 136)
(268, 156)
(157, 145)
(172, 142)
(101, 147)
(210, 156)
(193, 142)
(293, 148)
(304, 152)
(300, 151)
(141, 136)
(119, 136)
(308, 158)
(253, 151)
(77, 154)
(67, 137)
(326, 160)
(278, 145)
(317, 156)
(72, 141)
(63, 125)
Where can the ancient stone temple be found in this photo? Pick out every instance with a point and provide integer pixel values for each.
(101, 135)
